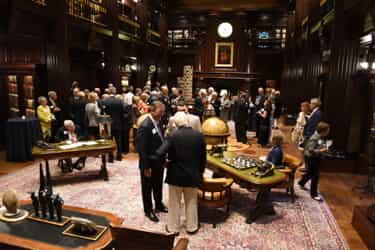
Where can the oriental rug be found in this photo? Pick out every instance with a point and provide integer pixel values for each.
(305, 224)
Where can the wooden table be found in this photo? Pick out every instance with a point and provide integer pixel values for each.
(102, 148)
(245, 179)
(28, 234)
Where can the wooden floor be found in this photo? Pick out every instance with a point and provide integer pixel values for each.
(337, 189)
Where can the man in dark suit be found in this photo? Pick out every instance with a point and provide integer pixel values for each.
(241, 117)
(127, 124)
(184, 172)
(115, 108)
(70, 132)
(315, 117)
(199, 103)
(259, 104)
(164, 98)
(77, 112)
(148, 139)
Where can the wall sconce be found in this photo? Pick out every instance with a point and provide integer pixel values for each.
(367, 59)
(364, 65)
(134, 67)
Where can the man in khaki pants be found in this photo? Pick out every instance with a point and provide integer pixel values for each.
(186, 150)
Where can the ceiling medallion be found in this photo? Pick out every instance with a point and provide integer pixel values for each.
(225, 30)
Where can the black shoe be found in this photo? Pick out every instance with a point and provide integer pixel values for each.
(195, 231)
(302, 186)
(78, 165)
(152, 217)
(161, 209)
(119, 158)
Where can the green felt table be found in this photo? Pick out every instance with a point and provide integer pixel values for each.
(245, 175)
(263, 204)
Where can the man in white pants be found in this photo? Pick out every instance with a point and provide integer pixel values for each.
(186, 150)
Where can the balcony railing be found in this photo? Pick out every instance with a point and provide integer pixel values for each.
(40, 2)
(89, 10)
(128, 27)
(124, 10)
(153, 37)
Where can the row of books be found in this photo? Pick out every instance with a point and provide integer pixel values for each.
(27, 83)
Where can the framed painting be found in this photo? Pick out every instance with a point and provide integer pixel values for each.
(224, 55)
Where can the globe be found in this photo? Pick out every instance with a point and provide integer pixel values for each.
(215, 131)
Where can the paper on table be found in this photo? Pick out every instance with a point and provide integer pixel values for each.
(89, 143)
(78, 144)
(71, 146)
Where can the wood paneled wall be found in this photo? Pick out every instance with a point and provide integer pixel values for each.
(206, 54)
(307, 75)
(247, 59)
(32, 34)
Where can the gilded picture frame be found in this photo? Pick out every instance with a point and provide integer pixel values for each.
(224, 55)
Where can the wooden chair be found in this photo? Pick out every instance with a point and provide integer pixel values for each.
(215, 193)
(126, 238)
(292, 164)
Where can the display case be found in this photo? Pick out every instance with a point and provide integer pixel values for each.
(13, 96)
(21, 96)
(17, 90)
(28, 89)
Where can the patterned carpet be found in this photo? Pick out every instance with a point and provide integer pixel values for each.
(306, 224)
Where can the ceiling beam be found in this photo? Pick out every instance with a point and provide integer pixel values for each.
(230, 5)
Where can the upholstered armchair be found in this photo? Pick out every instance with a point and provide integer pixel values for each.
(292, 164)
(215, 193)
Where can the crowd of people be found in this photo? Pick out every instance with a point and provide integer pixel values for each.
(172, 125)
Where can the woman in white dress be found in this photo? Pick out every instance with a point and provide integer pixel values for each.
(303, 116)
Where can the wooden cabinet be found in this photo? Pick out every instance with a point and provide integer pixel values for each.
(18, 95)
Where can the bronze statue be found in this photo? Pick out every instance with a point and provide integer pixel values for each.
(50, 205)
(58, 203)
(35, 201)
(49, 183)
(41, 178)
(43, 202)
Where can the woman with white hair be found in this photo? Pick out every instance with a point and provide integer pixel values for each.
(92, 114)
(186, 150)
(225, 107)
(45, 117)
(278, 109)
(199, 103)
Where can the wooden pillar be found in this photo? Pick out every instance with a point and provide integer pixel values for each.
(163, 63)
(113, 57)
(57, 52)
(143, 19)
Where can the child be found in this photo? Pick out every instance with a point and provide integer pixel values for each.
(313, 153)
(275, 156)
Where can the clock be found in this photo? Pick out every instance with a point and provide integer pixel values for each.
(225, 30)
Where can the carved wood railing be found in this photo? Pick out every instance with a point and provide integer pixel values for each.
(89, 10)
